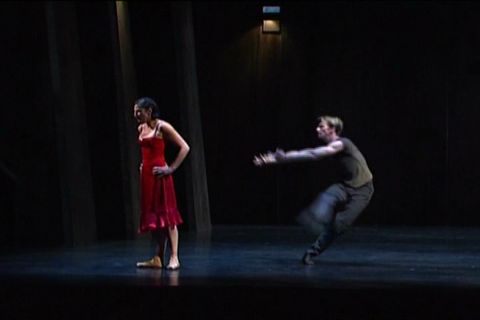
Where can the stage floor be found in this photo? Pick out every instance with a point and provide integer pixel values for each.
(236, 271)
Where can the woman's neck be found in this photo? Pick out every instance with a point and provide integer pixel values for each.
(151, 123)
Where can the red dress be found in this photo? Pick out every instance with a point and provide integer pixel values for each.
(158, 199)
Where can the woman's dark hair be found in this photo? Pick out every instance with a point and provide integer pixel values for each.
(148, 103)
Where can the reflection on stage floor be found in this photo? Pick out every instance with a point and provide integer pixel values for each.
(256, 269)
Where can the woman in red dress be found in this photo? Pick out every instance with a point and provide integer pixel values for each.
(159, 213)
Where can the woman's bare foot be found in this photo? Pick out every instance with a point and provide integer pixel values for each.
(173, 264)
(155, 263)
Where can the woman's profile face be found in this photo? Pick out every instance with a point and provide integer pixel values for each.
(141, 114)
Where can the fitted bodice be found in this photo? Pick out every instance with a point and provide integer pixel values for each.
(153, 151)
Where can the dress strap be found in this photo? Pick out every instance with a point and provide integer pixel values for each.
(157, 127)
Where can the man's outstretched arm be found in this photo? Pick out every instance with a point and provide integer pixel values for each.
(308, 154)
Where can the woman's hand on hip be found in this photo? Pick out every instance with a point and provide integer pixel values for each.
(162, 171)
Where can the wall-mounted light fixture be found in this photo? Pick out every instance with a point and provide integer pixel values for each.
(271, 19)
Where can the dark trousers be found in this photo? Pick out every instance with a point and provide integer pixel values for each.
(333, 212)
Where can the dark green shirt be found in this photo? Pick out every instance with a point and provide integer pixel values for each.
(353, 167)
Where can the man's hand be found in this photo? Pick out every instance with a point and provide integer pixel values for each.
(162, 171)
(263, 159)
(268, 158)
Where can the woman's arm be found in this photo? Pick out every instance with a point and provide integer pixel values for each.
(173, 136)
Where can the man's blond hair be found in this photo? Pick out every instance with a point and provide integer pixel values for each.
(333, 122)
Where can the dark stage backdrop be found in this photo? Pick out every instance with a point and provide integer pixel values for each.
(31, 214)
(404, 76)
(29, 208)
